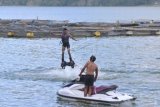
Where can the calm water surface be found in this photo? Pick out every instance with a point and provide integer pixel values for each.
(30, 72)
(81, 14)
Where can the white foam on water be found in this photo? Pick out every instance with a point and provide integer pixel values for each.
(55, 74)
(67, 73)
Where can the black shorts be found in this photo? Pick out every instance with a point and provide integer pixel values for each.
(66, 45)
(89, 80)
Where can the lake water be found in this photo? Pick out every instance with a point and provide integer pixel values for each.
(30, 72)
(81, 14)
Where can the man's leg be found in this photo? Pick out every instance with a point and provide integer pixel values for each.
(90, 90)
(63, 49)
(70, 57)
(85, 91)
(91, 82)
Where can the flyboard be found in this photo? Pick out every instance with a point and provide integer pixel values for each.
(70, 63)
(65, 63)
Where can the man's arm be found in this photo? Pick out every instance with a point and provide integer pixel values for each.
(83, 69)
(96, 71)
(72, 37)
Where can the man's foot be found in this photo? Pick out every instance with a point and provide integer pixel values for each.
(63, 64)
(72, 63)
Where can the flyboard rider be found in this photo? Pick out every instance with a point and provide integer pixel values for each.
(65, 44)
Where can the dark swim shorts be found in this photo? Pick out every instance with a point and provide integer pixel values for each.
(66, 44)
(89, 80)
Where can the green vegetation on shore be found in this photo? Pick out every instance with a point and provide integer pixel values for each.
(78, 2)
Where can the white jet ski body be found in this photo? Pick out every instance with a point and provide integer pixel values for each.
(104, 94)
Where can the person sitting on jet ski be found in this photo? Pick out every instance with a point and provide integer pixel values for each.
(90, 67)
(65, 43)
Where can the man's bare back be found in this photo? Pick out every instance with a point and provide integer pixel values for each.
(91, 68)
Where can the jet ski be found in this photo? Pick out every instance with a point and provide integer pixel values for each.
(101, 94)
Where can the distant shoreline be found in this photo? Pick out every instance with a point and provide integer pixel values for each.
(80, 3)
(77, 6)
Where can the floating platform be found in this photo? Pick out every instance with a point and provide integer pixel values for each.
(52, 28)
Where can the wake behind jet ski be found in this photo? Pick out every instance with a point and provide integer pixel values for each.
(101, 94)
(65, 44)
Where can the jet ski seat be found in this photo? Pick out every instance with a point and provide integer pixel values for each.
(103, 89)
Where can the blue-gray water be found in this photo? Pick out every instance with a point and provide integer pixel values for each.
(30, 72)
(81, 14)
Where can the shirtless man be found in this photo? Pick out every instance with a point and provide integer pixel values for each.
(65, 43)
(90, 67)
